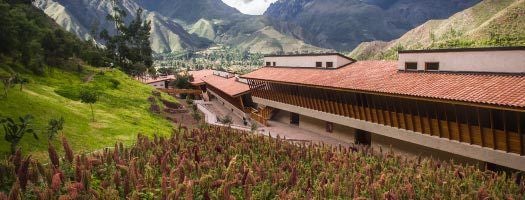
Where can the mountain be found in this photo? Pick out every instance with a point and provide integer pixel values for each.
(343, 24)
(488, 23)
(89, 16)
(191, 11)
(179, 25)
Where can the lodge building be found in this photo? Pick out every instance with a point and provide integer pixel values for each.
(466, 104)
(230, 90)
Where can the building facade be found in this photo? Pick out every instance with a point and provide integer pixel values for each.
(470, 109)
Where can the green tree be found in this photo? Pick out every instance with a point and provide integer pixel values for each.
(54, 126)
(89, 96)
(129, 46)
(14, 132)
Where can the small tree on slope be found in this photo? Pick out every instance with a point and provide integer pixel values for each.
(14, 132)
(90, 97)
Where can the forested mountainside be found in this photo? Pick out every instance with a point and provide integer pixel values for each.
(488, 23)
(343, 24)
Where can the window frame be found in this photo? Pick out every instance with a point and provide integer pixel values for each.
(268, 63)
(430, 63)
(318, 64)
(329, 64)
(407, 65)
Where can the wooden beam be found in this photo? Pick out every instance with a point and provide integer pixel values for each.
(389, 114)
(481, 105)
(507, 140)
(457, 123)
(449, 133)
(438, 120)
(405, 124)
(429, 120)
(492, 129)
(414, 128)
(471, 139)
(481, 128)
(421, 124)
(394, 107)
(520, 133)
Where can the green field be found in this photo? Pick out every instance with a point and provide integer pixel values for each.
(120, 113)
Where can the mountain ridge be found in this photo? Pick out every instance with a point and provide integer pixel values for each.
(488, 23)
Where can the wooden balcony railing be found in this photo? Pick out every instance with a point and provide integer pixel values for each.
(385, 111)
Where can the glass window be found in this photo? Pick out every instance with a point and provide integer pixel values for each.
(432, 66)
(318, 64)
(411, 66)
(329, 64)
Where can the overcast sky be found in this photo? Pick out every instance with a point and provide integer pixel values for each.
(252, 7)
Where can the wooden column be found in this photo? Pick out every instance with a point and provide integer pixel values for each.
(520, 133)
(421, 124)
(449, 133)
(438, 121)
(480, 128)
(457, 123)
(507, 141)
(471, 140)
(429, 120)
(492, 129)
(405, 124)
(389, 114)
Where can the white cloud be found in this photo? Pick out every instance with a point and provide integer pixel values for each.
(252, 7)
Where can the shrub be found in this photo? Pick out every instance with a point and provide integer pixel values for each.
(14, 132)
(54, 126)
(69, 91)
(114, 83)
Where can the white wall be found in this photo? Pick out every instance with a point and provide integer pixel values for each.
(472, 61)
(306, 61)
(228, 105)
(223, 74)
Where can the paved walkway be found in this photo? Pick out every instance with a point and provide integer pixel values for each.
(290, 132)
(210, 115)
(294, 133)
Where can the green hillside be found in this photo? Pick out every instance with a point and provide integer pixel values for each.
(489, 23)
(57, 66)
(120, 113)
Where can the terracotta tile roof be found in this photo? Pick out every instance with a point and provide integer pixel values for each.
(199, 75)
(384, 77)
(229, 86)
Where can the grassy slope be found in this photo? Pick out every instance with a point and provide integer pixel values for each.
(489, 23)
(120, 113)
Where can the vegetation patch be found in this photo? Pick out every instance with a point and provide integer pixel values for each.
(222, 163)
(120, 112)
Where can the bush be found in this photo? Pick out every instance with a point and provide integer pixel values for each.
(114, 83)
(69, 91)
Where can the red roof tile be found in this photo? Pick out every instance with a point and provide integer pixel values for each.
(384, 77)
(199, 75)
(229, 86)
